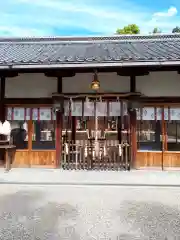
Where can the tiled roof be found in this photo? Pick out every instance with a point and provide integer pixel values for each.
(90, 50)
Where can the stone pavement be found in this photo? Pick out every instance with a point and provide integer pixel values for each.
(29, 212)
(61, 177)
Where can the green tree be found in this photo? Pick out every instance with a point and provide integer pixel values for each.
(129, 29)
(176, 30)
(156, 30)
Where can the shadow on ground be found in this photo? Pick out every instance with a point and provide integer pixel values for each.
(151, 221)
(22, 217)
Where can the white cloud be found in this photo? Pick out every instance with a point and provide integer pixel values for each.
(87, 14)
(172, 11)
(95, 17)
(54, 17)
(164, 20)
(18, 31)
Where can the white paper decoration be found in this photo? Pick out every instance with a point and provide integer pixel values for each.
(76, 109)
(35, 114)
(1, 128)
(148, 113)
(42, 114)
(6, 128)
(138, 114)
(125, 108)
(101, 109)
(25, 126)
(53, 115)
(159, 113)
(9, 113)
(174, 113)
(45, 114)
(28, 113)
(66, 108)
(114, 109)
(19, 113)
(166, 114)
(89, 109)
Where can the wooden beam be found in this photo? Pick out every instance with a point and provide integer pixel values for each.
(58, 73)
(68, 72)
(8, 74)
(159, 100)
(28, 101)
(141, 71)
(133, 72)
(95, 95)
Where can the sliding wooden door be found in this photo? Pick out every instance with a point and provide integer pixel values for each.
(33, 131)
(158, 137)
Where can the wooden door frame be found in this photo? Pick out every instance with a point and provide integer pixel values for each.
(29, 150)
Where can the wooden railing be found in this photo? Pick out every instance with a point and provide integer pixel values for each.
(102, 155)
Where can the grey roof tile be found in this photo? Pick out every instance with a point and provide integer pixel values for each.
(121, 48)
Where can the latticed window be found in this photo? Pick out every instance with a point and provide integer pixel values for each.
(158, 126)
(149, 130)
(39, 123)
(173, 130)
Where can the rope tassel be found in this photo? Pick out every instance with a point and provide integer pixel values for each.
(86, 151)
(66, 148)
(105, 151)
(120, 150)
(96, 148)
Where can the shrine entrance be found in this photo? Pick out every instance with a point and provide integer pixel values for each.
(96, 135)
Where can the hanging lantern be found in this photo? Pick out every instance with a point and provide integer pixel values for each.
(95, 85)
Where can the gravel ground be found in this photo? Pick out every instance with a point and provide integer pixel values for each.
(65, 212)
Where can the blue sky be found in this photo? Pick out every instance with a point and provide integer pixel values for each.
(85, 17)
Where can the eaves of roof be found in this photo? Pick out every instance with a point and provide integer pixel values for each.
(75, 52)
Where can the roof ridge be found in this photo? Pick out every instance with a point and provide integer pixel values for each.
(138, 37)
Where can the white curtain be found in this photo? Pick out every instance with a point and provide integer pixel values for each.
(6, 128)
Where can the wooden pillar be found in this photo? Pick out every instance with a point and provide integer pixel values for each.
(158, 130)
(2, 96)
(59, 126)
(133, 124)
(73, 137)
(30, 138)
(119, 129)
(133, 127)
(2, 114)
